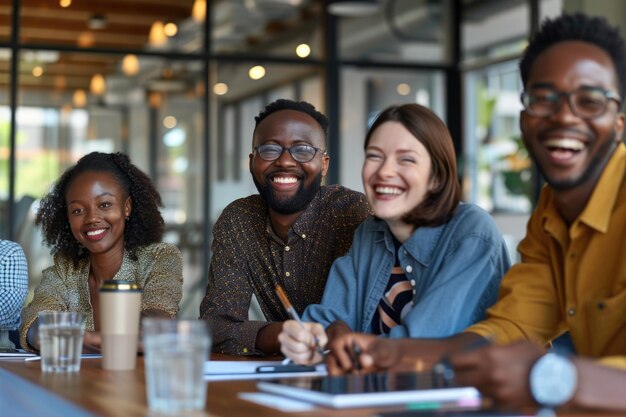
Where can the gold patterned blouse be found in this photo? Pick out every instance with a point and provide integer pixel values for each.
(250, 259)
(64, 286)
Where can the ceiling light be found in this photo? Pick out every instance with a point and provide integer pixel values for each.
(303, 50)
(170, 29)
(257, 72)
(65, 3)
(130, 65)
(37, 71)
(403, 89)
(169, 122)
(85, 39)
(198, 11)
(79, 99)
(157, 35)
(220, 89)
(155, 99)
(97, 86)
(352, 8)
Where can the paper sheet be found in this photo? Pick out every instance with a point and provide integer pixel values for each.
(83, 356)
(19, 354)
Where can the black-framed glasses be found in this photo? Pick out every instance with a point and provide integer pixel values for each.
(585, 102)
(300, 153)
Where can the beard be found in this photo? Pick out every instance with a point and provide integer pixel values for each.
(289, 205)
(593, 170)
(594, 167)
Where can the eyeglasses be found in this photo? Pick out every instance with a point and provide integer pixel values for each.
(585, 102)
(300, 153)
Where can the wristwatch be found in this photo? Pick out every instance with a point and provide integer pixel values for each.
(553, 380)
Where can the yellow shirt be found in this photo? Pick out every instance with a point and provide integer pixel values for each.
(570, 279)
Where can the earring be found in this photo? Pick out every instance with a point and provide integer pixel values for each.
(127, 218)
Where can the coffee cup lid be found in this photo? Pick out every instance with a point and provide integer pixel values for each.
(119, 285)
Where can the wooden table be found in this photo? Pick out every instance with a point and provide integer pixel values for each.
(123, 394)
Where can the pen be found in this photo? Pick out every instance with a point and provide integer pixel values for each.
(294, 315)
(356, 355)
(285, 368)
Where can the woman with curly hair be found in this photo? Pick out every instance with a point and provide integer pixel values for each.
(103, 222)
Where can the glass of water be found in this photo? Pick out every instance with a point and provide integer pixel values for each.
(61, 340)
(174, 356)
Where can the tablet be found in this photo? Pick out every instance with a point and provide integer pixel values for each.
(378, 389)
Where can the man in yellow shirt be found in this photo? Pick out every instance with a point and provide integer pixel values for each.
(573, 271)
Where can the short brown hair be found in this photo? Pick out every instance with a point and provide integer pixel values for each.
(439, 204)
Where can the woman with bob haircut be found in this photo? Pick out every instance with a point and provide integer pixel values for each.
(424, 265)
(102, 219)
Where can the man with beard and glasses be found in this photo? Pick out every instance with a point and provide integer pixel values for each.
(573, 271)
(289, 234)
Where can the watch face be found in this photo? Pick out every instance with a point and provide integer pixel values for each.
(553, 380)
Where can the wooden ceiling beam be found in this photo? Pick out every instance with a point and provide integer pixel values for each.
(80, 10)
(64, 37)
(39, 23)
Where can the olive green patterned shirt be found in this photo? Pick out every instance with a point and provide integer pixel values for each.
(249, 258)
(64, 286)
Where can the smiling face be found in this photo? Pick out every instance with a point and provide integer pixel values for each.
(396, 173)
(97, 207)
(288, 186)
(570, 151)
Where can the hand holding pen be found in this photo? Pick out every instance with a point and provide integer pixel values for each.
(301, 342)
(348, 350)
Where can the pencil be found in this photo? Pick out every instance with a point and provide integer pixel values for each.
(294, 315)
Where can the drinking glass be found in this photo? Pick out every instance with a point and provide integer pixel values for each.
(61, 340)
(174, 356)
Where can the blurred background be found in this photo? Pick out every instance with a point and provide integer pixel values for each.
(176, 85)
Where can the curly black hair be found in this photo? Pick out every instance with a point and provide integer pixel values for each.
(144, 226)
(577, 27)
(303, 106)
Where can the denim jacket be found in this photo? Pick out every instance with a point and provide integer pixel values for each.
(455, 270)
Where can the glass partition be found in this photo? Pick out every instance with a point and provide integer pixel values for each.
(497, 165)
(401, 31)
(494, 29)
(291, 29)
